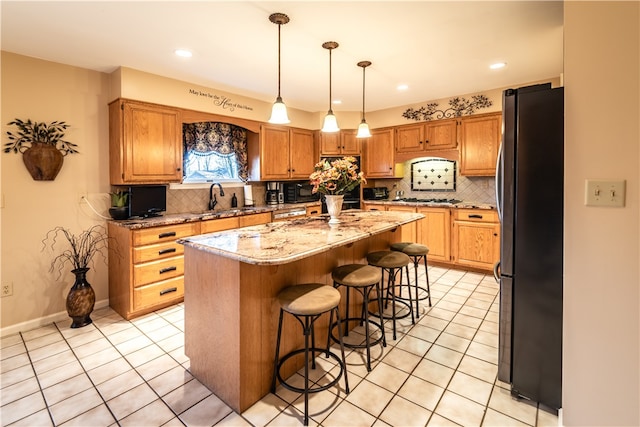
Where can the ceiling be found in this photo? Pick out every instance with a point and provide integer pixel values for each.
(438, 49)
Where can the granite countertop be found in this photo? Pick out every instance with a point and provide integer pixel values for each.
(460, 205)
(288, 241)
(171, 219)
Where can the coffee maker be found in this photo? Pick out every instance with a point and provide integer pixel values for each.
(274, 194)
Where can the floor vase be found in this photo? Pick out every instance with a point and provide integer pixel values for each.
(81, 299)
(334, 207)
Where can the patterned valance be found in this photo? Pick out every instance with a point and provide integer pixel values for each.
(222, 138)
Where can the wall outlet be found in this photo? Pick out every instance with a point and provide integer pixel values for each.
(82, 197)
(7, 290)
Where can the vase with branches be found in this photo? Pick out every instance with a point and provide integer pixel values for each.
(80, 251)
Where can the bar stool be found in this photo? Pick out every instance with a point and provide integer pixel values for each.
(363, 279)
(416, 252)
(307, 303)
(392, 262)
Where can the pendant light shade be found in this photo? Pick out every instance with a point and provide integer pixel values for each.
(330, 122)
(363, 128)
(279, 110)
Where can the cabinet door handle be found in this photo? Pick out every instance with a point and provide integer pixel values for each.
(475, 216)
(166, 251)
(168, 290)
(313, 212)
(167, 234)
(168, 269)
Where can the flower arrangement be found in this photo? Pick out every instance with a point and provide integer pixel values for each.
(336, 177)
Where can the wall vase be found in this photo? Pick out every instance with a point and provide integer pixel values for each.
(43, 161)
(334, 207)
(81, 299)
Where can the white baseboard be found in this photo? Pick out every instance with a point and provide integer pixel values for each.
(42, 321)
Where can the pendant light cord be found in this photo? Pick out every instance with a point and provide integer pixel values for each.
(279, 25)
(363, 68)
(330, 109)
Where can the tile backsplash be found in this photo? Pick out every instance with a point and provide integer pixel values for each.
(474, 189)
(197, 199)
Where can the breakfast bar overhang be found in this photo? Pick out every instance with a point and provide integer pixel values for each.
(231, 282)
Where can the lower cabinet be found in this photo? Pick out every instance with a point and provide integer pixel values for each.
(462, 237)
(434, 231)
(476, 238)
(146, 266)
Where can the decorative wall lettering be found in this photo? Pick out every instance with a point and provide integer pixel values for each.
(220, 100)
(458, 106)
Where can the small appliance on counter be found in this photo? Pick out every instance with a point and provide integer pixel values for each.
(375, 193)
(147, 200)
(299, 192)
(274, 194)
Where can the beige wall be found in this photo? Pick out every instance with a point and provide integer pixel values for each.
(602, 137)
(45, 91)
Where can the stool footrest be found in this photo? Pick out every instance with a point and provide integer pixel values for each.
(311, 389)
(397, 300)
(363, 345)
(412, 287)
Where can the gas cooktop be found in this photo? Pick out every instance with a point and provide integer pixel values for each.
(416, 200)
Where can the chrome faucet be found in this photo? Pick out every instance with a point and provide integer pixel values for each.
(213, 201)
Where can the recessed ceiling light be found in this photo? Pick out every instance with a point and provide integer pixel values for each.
(498, 65)
(336, 101)
(183, 53)
(403, 87)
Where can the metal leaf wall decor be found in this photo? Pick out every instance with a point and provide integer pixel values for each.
(458, 106)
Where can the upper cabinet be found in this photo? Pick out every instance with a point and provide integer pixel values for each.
(378, 154)
(435, 135)
(339, 143)
(479, 144)
(145, 143)
(286, 153)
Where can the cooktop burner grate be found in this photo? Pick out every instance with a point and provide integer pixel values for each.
(416, 200)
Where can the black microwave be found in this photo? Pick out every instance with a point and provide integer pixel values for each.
(147, 200)
(299, 193)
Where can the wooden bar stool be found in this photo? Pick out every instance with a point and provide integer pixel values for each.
(307, 303)
(392, 262)
(417, 253)
(363, 279)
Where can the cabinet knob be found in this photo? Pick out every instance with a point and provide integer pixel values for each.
(420, 142)
(426, 141)
(177, 169)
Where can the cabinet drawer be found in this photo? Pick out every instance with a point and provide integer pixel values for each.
(158, 293)
(157, 251)
(314, 210)
(166, 233)
(477, 215)
(254, 219)
(221, 224)
(154, 271)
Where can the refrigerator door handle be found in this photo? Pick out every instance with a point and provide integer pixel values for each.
(496, 271)
(499, 183)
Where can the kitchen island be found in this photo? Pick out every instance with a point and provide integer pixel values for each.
(232, 279)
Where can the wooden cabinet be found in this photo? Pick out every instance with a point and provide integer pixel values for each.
(343, 143)
(434, 231)
(378, 154)
(372, 207)
(286, 153)
(145, 143)
(436, 135)
(146, 267)
(314, 210)
(407, 231)
(479, 143)
(476, 238)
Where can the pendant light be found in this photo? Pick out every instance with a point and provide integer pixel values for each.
(330, 122)
(279, 110)
(363, 128)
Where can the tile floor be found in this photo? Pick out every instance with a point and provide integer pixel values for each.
(440, 371)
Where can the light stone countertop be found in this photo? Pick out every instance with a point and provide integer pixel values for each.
(171, 219)
(460, 205)
(287, 241)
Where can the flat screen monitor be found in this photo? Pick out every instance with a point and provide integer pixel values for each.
(147, 200)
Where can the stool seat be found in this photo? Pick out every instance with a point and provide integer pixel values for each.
(410, 248)
(308, 299)
(388, 259)
(357, 275)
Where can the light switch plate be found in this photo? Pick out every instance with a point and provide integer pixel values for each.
(604, 193)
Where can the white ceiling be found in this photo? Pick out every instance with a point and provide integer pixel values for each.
(439, 49)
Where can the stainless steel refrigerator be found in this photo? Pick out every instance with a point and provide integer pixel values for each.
(529, 193)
